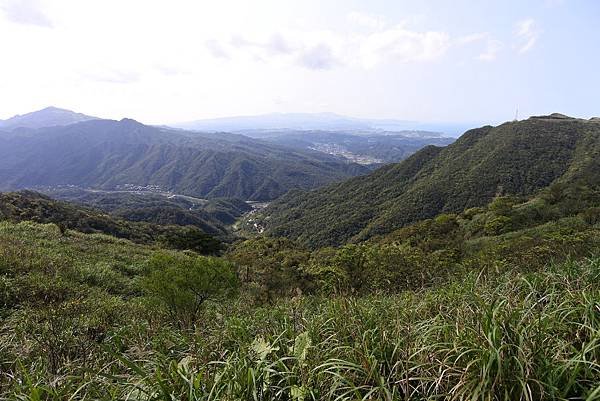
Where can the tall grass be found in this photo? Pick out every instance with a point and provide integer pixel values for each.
(513, 336)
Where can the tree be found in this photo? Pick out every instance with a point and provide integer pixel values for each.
(274, 265)
(183, 283)
(189, 237)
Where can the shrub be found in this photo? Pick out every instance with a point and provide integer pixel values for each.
(591, 216)
(183, 283)
(497, 225)
(272, 267)
(502, 205)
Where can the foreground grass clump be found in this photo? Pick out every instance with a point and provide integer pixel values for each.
(83, 320)
(526, 336)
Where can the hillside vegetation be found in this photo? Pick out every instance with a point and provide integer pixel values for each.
(88, 316)
(210, 215)
(32, 206)
(516, 158)
(498, 303)
(110, 154)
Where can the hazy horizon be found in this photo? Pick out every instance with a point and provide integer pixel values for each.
(165, 63)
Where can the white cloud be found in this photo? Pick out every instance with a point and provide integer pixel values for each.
(309, 49)
(319, 50)
(319, 57)
(492, 46)
(369, 21)
(402, 45)
(528, 33)
(28, 12)
(275, 44)
(491, 51)
(216, 49)
(472, 38)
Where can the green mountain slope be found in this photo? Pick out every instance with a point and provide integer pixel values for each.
(513, 158)
(108, 154)
(32, 206)
(208, 214)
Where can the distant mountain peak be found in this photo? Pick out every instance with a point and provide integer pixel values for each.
(47, 110)
(53, 109)
(47, 117)
(130, 121)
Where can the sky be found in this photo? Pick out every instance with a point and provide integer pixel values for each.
(181, 60)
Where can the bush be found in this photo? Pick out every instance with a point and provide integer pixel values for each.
(66, 332)
(498, 225)
(183, 283)
(591, 216)
(502, 205)
(272, 267)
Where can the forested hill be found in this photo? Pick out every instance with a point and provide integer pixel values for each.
(35, 207)
(514, 158)
(211, 216)
(107, 154)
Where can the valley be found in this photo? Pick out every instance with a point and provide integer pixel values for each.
(150, 190)
(223, 214)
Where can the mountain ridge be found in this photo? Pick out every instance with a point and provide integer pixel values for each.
(513, 158)
(106, 154)
(317, 121)
(46, 117)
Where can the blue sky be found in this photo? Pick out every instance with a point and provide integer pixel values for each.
(167, 61)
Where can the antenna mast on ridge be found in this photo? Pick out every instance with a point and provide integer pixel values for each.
(517, 115)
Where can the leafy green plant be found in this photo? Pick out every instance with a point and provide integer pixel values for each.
(182, 284)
